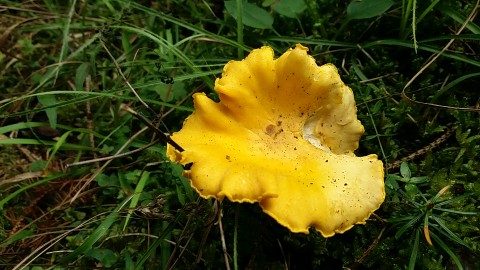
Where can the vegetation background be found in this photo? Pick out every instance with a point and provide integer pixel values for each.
(64, 66)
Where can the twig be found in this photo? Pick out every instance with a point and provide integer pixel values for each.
(166, 138)
(369, 250)
(119, 70)
(90, 118)
(210, 221)
(423, 150)
(114, 156)
(163, 136)
(169, 265)
(21, 177)
(99, 170)
(222, 237)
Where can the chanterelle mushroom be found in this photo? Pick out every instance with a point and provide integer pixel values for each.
(282, 135)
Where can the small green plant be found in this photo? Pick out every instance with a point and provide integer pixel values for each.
(423, 214)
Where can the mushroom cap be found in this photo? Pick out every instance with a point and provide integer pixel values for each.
(282, 135)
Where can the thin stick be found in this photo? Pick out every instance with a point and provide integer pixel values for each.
(222, 236)
(90, 118)
(102, 168)
(119, 70)
(367, 252)
(166, 138)
(114, 156)
(184, 231)
(235, 238)
(423, 150)
(206, 231)
(163, 136)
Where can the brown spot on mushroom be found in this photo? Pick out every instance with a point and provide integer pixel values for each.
(270, 130)
(227, 157)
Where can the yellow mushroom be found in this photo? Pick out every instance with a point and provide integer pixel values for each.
(282, 135)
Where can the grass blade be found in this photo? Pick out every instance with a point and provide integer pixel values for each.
(156, 243)
(57, 147)
(447, 250)
(66, 32)
(97, 234)
(447, 232)
(144, 178)
(34, 184)
(408, 225)
(413, 255)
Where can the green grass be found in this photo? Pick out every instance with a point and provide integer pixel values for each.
(65, 67)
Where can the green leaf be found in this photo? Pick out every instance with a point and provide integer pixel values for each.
(132, 177)
(290, 8)
(38, 165)
(27, 46)
(105, 256)
(18, 236)
(124, 184)
(377, 107)
(391, 183)
(267, 3)
(412, 190)
(418, 180)
(129, 264)
(253, 16)
(405, 170)
(47, 101)
(106, 149)
(104, 180)
(365, 9)
(175, 92)
(81, 74)
(394, 177)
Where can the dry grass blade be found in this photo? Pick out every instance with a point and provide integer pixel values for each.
(222, 238)
(102, 168)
